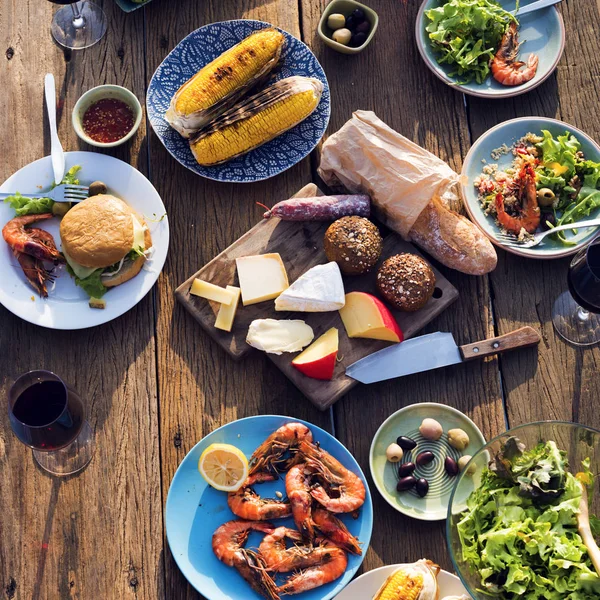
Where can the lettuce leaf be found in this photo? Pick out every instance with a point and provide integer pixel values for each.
(91, 285)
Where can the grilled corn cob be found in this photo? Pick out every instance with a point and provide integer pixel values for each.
(219, 84)
(411, 582)
(257, 120)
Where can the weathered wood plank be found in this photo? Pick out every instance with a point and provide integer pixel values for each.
(97, 535)
(200, 387)
(560, 382)
(389, 78)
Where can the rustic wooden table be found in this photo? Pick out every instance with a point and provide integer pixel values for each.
(155, 383)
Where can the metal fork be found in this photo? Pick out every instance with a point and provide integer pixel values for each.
(512, 241)
(61, 193)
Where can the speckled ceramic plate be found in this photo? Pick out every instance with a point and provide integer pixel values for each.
(194, 510)
(406, 422)
(508, 133)
(201, 47)
(541, 32)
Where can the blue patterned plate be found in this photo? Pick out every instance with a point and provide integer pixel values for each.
(201, 47)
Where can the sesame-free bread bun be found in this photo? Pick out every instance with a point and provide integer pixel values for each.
(129, 269)
(97, 232)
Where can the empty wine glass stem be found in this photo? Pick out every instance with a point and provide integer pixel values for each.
(78, 20)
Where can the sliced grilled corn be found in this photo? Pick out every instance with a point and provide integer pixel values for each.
(223, 81)
(411, 582)
(257, 120)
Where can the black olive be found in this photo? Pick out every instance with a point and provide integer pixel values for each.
(424, 458)
(406, 443)
(547, 218)
(451, 466)
(406, 483)
(422, 487)
(406, 469)
(363, 27)
(351, 23)
(359, 15)
(358, 39)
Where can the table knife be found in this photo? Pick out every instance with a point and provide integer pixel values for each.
(433, 351)
(56, 151)
(524, 10)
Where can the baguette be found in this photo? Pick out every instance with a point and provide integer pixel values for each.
(453, 240)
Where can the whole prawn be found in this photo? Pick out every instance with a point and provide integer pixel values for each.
(227, 543)
(506, 69)
(247, 504)
(347, 487)
(333, 565)
(298, 488)
(331, 527)
(269, 455)
(529, 215)
(37, 275)
(281, 559)
(30, 240)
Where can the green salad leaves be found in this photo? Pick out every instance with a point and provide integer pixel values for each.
(465, 34)
(92, 285)
(519, 532)
(36, 206)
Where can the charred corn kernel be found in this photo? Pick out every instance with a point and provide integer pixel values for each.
(258, 120)
(225, 77)
(401, 586)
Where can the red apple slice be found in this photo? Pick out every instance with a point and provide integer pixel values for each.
(318, 360)
(365, 316)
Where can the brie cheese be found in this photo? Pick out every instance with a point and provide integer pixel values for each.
(276, 337)
(320, 289)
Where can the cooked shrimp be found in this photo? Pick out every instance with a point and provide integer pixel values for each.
(506, 69)
(348, 489)
(247, 504)
(300, 556)
(529, 215)
(331, 527)
(269, 455)
(35, 242)
(298, 487)
(227, 544)
(333, 565)
(37, 275)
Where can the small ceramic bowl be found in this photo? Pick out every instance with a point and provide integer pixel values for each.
(98, 93)
(345, 7)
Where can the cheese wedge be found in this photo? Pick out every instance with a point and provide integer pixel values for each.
(262, 277)
(320, 289)
(227, 311)
(210, 291)
(278, 336)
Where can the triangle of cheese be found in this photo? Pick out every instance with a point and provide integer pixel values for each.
(320, 289)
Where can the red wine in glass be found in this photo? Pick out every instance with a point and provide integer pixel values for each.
(48, 416)
(584, 278)
(63, 1)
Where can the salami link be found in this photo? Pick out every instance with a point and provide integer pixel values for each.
(321, 208)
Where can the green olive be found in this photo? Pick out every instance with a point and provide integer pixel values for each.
(336, 21)
(97, 188)
(545, 196)
(60, 209)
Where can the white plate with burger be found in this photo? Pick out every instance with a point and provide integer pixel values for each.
(116, 245)
(423, 575)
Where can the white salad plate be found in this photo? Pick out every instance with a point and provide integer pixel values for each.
(366, 586)
(67, 305)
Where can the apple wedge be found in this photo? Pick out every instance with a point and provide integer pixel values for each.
(365, 316)
(318, 360)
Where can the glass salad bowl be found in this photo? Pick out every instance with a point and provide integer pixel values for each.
(515, 523)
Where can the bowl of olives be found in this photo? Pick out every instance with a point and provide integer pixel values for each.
(347, 26)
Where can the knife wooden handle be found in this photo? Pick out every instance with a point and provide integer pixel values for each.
(521, 338)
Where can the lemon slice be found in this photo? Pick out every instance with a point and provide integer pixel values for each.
(224, 467)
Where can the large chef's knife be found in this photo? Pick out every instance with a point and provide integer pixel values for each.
(432, 352)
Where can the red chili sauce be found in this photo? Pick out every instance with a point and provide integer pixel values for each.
(108, 120)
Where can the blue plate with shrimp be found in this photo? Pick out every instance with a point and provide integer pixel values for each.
(540, 33)
(195, 510)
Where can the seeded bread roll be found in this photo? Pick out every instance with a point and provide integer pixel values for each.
(406, 281)
(354, 243)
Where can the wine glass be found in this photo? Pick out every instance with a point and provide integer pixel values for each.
(48, 416)
(80, 25)
(575, 314)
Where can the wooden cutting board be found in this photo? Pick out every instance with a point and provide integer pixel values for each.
(301, 247)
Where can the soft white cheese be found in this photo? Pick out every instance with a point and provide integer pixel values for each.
(320, 289)
(276, 337)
